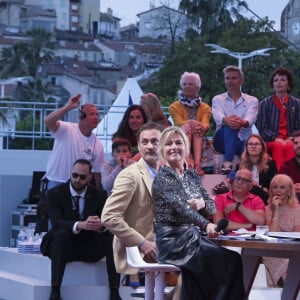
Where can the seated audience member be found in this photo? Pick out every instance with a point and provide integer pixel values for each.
(153, 111)
(279, 117)
(282, 214)
(134, 117)
(74, 211)
(181, 205)
(192, 114)
(256, 158)
(121, 153)
(239, 206)
(128, 212)
(292, 166)
(234, 113)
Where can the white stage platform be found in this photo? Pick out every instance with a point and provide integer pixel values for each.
(27, 277)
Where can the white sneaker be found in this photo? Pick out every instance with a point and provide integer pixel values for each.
(226, 168)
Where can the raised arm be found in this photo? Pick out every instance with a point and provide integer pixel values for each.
(52, 120)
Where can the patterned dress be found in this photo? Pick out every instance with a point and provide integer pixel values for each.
(208, 271)
(276, 268)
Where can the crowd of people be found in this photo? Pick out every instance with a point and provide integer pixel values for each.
(155, 174)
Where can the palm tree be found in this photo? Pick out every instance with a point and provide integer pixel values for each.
(12, 63)
(25, 58)
(212, 16)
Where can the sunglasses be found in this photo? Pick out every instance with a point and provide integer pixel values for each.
(81, 176)
(242, 179)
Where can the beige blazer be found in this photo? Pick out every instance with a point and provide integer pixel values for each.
(128, 212)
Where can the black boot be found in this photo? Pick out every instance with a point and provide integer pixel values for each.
(114, 294)
(55, 293)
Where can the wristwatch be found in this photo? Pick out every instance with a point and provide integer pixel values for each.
(237, 206)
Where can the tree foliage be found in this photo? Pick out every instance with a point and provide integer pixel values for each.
(25, 59)
(212, 16)
(246, 36)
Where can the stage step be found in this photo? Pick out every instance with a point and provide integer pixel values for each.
(27, 277)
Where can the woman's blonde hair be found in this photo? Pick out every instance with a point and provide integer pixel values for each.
(262, 163)
(170, 131)
(285, 180)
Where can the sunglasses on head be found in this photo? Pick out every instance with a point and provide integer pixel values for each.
(81, 176)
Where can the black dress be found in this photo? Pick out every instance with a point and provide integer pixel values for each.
(209, 272)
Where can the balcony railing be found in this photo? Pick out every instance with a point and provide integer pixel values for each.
(30, 115)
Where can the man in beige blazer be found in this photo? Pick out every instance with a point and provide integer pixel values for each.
(128, 212)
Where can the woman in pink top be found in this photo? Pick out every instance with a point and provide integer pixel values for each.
(282, 214)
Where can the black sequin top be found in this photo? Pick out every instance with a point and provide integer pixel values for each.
(170, 193)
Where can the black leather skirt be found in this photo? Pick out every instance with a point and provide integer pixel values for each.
(209, 272)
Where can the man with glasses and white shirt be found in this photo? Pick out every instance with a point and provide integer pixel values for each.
(77, 234)
(239, 206)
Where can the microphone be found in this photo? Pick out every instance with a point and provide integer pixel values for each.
(221, 226)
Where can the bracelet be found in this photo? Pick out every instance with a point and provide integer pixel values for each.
(237, 206)
(140, 245)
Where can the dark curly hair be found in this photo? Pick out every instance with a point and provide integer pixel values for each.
(283, 72)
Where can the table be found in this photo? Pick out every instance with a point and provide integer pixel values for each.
(252, 251)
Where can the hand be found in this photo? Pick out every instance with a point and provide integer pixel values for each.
(92, 223)
(211, 230)
(247, 226)
(196, 204)
(74, 101)
(276, 201)
(124, 162)
(235, 122)
(149, 249)
(229, 208)
(281, 141)
(198, 128)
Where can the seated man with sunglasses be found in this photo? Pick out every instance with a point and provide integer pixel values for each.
(77, 234)
(239, 206)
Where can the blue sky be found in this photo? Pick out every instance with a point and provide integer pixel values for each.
(127, 10)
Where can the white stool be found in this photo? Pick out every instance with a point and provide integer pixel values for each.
(154, 273)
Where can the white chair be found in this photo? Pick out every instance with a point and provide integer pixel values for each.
(154, 273)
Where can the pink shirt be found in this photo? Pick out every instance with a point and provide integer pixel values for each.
(252, 202)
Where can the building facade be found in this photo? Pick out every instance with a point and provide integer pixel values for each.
(290, 23)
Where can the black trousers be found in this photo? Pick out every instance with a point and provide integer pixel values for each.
(66, 247)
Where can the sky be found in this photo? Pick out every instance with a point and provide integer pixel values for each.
(127, 10)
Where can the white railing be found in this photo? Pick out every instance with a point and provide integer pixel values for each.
(14, 113)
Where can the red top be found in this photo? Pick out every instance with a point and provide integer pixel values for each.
(281, 104)
(252, 202)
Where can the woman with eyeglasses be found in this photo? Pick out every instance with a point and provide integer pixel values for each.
(239, 206)
(256, 158)
(282, 214)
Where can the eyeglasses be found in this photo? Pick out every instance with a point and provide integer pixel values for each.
(254, 144)
(81, 176)
(242, 179)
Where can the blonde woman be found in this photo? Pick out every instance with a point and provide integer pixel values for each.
(282, 214)
(181, 206)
